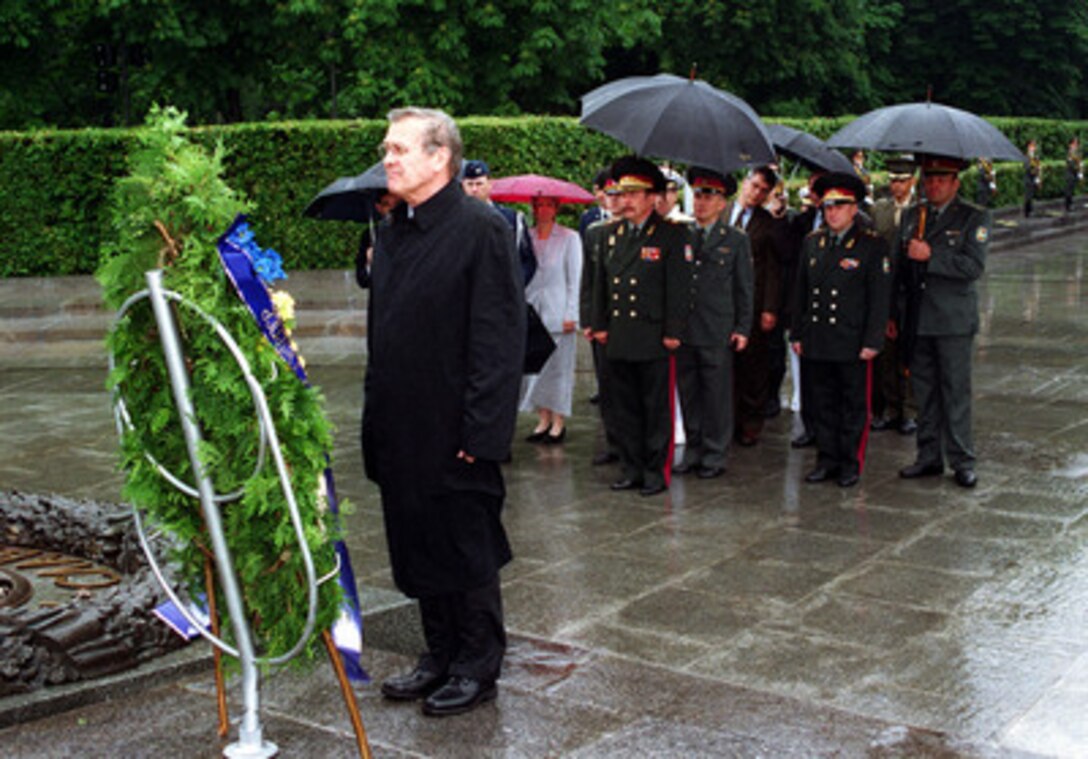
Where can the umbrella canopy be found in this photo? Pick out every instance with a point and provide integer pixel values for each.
(681, 119)
(350, 198)
(522, 188)
(926, 128)
(808, 150)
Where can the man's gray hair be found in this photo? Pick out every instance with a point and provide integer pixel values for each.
(440, 132)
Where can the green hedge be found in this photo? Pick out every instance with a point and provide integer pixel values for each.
(53, 208)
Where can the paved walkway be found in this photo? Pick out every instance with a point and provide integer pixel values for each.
(748, 616)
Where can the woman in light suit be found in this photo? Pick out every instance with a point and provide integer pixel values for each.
(553, 292)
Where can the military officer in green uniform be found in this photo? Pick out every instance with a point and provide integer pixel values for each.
(641, 297)
(942, 253)
(722, 285)
(839, 315)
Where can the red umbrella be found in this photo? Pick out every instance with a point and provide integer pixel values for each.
(522, 188)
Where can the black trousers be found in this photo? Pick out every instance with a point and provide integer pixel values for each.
(841, 389)
(604, 394)
(641, 417)
(464, 632)
(752, 373)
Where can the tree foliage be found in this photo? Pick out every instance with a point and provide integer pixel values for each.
(100, 63)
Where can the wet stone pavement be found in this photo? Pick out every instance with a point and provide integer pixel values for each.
(753, 615)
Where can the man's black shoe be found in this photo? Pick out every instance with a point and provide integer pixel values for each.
(415, 684)
(821, 473)
(881, 423)
(848, 480)
(683, 468)
(595, 398)
(919, 469)
(710, 472)
(804, 440)
(625, 484)
(966, 478)
(908, 427)
(605, 457)
(458, 695)
(648, 490)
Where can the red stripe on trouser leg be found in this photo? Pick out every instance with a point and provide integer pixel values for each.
(672, 420)
(868, 415)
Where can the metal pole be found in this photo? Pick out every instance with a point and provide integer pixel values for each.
(249, 732)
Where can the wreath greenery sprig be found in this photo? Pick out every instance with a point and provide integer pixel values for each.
(168, 213)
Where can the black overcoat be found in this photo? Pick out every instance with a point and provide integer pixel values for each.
(445, 336)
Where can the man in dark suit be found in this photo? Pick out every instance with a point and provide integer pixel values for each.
(840, 311)
(641, 297)
(719, 324)
(594, 242)
(600, 210)
(808, 219)
(753, 365)
(942, 254)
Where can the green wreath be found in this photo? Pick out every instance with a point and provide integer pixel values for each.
(168, 213)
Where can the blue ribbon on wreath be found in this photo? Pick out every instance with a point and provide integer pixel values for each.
(249, 268)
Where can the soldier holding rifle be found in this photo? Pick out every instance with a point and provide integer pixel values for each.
(942, 254)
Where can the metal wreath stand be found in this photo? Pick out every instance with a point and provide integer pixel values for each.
(250, 742)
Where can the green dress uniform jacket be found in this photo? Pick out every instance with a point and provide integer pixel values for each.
(722, 286)
(641, 290)
(841, 300)
(947, 295)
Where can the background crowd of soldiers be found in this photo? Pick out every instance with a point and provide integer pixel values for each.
(873, 304)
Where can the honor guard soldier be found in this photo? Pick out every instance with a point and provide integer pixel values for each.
(987, 182)
(942, 253)
(719, 324)
(641, 297)
(1074, 172)
(839, 315)
(1033, 176)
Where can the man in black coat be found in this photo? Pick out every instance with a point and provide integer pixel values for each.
(445, 333)
(719, 324)
(839, 315)
(942, 254)
(753, 365)
(640, 301)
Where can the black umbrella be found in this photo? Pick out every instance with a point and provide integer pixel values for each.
(808, 150)
(926, 128)
(681, 119)
(350, 198)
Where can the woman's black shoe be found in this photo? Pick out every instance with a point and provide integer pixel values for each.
(551, 439)
(537, 436)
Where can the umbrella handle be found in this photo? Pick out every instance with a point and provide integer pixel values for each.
(920, 235)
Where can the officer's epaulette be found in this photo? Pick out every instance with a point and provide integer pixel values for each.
(870, 232)
(816, 232)
(603, 223)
